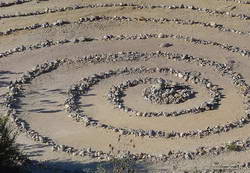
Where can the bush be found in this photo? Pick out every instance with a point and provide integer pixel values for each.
(10, 156)
(233, 147)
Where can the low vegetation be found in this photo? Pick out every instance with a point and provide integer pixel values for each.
(233, 147)
(10, 156)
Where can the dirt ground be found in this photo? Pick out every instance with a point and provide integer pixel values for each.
(42, 107)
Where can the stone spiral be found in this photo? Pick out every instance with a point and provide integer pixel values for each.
(167, 86)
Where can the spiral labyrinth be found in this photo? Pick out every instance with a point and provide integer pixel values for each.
(158, 80)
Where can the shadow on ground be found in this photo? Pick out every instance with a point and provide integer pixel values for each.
(68, 166)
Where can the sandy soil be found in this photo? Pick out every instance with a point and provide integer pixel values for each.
(42, 107)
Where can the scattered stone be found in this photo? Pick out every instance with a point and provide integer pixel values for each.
(164, 45)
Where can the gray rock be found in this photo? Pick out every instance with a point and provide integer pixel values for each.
(161, 35)
(165, 45)
(151, 133)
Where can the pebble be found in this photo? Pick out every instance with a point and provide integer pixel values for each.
(164, 45)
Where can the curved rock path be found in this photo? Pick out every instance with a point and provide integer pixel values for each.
(69, 62)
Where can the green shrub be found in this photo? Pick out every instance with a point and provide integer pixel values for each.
(10, 156)
(233, 147)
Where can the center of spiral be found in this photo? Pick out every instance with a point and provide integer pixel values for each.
(167, 92)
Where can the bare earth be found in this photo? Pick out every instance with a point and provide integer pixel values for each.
(43, 105)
